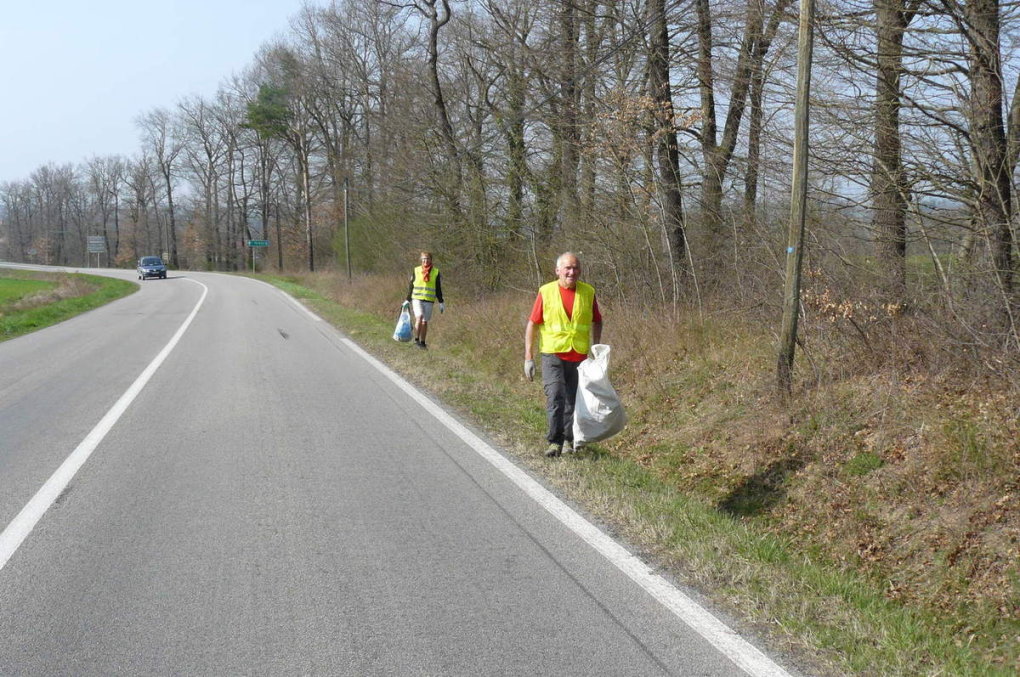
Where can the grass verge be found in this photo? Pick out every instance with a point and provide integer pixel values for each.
(785, 518)
(30, 301)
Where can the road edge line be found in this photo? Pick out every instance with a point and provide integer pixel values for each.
(744, 654)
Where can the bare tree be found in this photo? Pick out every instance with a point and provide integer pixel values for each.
(140, 205)
(667, 152)
(204, 151)
(718, 152)
(16, 226)
(889, 183)
(163, 140)
(106, 178)
(979, 23)
(760, 52)
(437, 14)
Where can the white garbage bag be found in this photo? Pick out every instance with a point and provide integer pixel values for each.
(598, 412)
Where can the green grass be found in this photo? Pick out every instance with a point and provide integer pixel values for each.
(14, 289)
(837, 618)
(863, 463)
(66, 296)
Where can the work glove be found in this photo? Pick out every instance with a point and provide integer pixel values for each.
(442, 307)
(529, 369)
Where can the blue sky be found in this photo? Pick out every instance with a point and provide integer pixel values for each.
(75, 75)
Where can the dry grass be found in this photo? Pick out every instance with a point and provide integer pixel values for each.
(900, 473)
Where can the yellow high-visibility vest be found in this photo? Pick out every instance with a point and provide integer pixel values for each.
(425, 291)
(559, 333)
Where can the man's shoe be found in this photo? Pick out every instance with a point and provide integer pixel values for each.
(421, 344)
(552, 450)
(568, 447)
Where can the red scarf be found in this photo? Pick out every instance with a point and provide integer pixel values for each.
(426, 271)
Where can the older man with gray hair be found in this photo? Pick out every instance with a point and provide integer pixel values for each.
(569, 323)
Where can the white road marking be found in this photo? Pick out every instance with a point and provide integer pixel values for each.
(290, 299)
(305, 309)
(728, 642)
(21, 526)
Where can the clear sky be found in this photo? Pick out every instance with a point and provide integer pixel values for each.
(74, 74)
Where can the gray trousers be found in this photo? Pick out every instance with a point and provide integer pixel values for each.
(559, 379)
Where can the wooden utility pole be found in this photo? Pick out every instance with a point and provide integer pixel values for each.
(347, 232)
(798, 200)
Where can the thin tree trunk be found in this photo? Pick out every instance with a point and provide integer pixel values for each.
(437, 20)
(568, 113)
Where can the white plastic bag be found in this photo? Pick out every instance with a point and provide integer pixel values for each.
(598, 412)
(402, 332)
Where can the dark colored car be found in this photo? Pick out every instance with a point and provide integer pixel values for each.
(151, 266)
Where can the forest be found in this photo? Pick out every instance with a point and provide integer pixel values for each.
(654, 135)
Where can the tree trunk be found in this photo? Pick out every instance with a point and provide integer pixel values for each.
(755, 101)
(888, 181)
(517, 170)
(172, 223)
(437, 20)
(993, 207)
(666, 151)
(568, 114)
(716, 155)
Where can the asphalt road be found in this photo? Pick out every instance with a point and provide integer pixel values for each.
(266, 499)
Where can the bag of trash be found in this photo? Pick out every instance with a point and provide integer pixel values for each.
(598, 412)
(402, 332)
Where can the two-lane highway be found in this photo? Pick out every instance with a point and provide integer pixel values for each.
(271, 500)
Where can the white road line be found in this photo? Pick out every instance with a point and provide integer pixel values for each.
(21, 526)
(728, 642)
(305, 309)
(290, 299)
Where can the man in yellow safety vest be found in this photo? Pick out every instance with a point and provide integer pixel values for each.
(569, 323)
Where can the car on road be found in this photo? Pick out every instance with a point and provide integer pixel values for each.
(151, 266)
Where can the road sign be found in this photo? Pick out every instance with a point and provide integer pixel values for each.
(258, 243)
(96, 244)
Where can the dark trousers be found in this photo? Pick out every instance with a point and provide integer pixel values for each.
(559, 379)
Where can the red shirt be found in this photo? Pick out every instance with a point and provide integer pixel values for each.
(567, 295)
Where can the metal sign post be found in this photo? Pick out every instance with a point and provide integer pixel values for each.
(254, 244)
(96, 245)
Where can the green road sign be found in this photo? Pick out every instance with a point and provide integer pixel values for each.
(258, 243)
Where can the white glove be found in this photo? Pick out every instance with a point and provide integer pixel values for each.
(442, 307)
(529, 369)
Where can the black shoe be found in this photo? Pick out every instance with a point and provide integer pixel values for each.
(421, 344)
